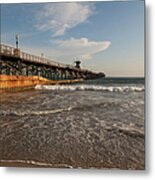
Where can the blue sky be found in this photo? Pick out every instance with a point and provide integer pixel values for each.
(106, 36)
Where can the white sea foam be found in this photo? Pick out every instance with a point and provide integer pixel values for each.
(91, 88)
(36, 163)
(45, 112)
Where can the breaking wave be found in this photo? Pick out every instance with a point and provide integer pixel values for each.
(35, 113)
(91, 88)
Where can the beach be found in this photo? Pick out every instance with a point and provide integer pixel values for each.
(92, 124)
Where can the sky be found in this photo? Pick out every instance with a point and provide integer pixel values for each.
(106, 36)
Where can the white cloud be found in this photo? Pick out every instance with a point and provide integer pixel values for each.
(66, 51)
(58, 17)
(81, 48)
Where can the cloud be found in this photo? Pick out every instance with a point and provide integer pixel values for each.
(81, 48)
(59, 17)
(66, 51)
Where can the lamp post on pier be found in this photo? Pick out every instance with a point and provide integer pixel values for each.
(17, 40)
(16, 50)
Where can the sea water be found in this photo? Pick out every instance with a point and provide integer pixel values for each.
(93, 124)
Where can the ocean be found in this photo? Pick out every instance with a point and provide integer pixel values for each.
(93, 124)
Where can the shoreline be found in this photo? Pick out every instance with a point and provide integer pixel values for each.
(36, 164)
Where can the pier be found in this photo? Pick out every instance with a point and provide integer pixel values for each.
(14, 62)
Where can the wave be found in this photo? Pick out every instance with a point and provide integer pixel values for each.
(90, 88)
(129, 131)
(18, 113)
(35, 163)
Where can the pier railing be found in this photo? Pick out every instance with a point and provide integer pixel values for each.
(13, 52)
